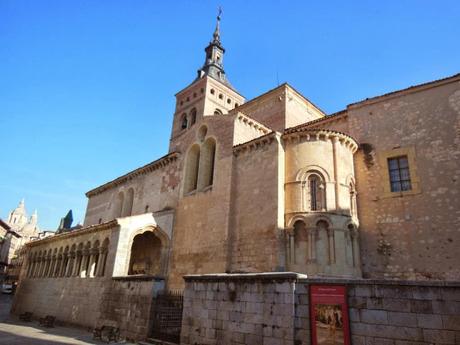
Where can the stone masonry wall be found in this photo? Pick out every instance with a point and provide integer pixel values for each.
(239, 309)
(404, 313)
(409, 235)
(90, 303)
(273, 308)
(126, 303)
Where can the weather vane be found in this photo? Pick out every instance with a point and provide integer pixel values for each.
(219, 9)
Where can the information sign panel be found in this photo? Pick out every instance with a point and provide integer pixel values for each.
(329, 315)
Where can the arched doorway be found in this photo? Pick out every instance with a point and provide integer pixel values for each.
(146, 253)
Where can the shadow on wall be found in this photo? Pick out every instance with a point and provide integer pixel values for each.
(39, 336)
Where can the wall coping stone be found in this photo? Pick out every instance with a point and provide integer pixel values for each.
(82, 231)
(264, 276)
(137, 277)
(394, 282)
(304, 279)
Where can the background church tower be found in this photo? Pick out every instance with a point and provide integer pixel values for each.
(210, 94)
(17, 218)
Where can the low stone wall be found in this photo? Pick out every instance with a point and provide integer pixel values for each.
(126, 303)
(404, 313)
(73, 301)
(274, 309)
(92, 302)
(239, 309)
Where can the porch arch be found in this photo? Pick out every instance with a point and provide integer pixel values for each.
(148, 252)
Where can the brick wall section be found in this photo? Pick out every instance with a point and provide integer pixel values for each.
(274, 309)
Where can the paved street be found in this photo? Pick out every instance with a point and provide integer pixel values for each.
(15, 332)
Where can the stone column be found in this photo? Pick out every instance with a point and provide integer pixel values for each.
(355, 247)
(97, 273)
(331, 245)
(37, 267)
(58, 265)
(102, 262)
(29, 268)
(77, 264)
(335, 143)
(84, 263)
(41, 267)
(312, 244)
(93, 262)
(290, 245)
(52, 264)
(70, 268)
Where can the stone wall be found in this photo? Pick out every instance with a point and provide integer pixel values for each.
(256, 216)
(239, 309)
(120, 302)
(155, 188)
(126, 303)
(273, 308)
(413, 234)
(402, 313)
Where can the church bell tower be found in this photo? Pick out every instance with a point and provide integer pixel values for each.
(210, 94)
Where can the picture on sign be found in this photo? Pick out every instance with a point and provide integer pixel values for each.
(329, 324)
(329, 315)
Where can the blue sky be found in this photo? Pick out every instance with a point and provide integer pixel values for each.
(87, 87)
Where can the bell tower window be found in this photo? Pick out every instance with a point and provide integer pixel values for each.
(184, 122)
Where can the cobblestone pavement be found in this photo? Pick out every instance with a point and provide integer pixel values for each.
(15, 332)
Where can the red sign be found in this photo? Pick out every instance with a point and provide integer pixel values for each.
(329, 315)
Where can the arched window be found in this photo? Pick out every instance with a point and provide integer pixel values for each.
(192, 116)
(207, 161)
(94, 259)
(48, 263)
(326, 243)
(29, 262)
(53, 263)
(65, 260)
(118, 205)
(85, 262)
(316, 192)
(57, 270)
(39, 264)
(103, 252)
(300, 243)
(128, 204)
(79, 261)
(218, 112)
(184, 122)
(72, 256)
(192, 167)
(145, 254)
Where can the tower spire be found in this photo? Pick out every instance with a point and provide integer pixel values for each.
(213, 63)
(216, 34)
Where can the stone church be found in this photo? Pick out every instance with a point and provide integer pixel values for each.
(268, 184)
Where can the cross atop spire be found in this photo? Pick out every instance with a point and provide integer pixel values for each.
(216, 34)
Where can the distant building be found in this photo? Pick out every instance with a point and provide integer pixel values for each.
(9, 240)
(22, 224)
(19, 229)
